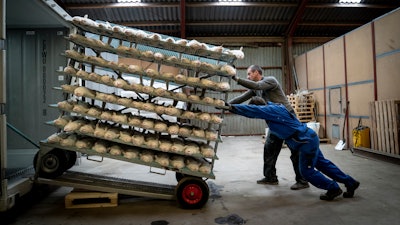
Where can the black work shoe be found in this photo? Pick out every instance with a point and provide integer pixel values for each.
(299, 185)
(268, 181)
(349, 193)
(331, 194)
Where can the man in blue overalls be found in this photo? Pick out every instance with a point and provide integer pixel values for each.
(299, 137)
(269, 89)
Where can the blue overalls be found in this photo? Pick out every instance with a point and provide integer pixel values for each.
(297, 136)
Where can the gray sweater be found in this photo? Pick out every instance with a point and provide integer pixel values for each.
(268, 88)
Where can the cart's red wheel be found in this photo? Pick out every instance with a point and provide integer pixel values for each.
(192, 192)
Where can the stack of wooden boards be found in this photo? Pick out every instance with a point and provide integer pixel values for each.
(304, 106)
(385, 126)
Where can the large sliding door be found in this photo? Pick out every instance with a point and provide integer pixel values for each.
(33, 56)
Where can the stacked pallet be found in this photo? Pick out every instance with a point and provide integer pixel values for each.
(385, 126)
(304, 106)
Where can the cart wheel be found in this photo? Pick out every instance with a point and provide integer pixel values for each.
(192, 193)
(71, 158)
(52, 164)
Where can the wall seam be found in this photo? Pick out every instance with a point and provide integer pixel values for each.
(347, 103)
(374, 60)
(324, 74)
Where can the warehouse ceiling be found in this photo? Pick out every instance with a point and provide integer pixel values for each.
(245, 21)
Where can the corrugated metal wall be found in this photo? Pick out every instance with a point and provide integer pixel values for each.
(269, 58)
(33, 56)
(265, 57)
(301, 48)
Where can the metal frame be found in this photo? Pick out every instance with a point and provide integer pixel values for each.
(11, 190)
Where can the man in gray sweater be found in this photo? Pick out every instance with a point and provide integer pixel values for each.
(270, 90)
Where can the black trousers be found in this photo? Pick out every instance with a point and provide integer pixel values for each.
(272, 148)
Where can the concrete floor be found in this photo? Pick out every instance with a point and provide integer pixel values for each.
(235, 196)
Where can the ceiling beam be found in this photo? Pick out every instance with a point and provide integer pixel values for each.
(239, 39)
(203, 23)
(360, 5)
(234, 23)
(165, 4)
(218, 4)
(183, 18)
(261, 39)
(237, 23)
(328, 24)
(241, 4)
(120, 5)
(296, 19)
(147, 23)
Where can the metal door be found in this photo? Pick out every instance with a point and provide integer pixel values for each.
(33, 56)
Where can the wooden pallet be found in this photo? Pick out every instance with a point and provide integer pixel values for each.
(303, 107)
(385, 126)
(306, 119)
(80, 199)
(325, 140)
(299, 99)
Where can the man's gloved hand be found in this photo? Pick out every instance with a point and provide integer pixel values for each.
(228, 105)
(235, 78)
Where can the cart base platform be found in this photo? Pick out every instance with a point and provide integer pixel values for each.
(111, 184)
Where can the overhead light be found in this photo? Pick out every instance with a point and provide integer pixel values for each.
(350, 1)
(123, 1)
(230, 0)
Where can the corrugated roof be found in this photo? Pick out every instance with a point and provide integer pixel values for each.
(208, 18)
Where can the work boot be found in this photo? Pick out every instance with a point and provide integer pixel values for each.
(268, 181)
(299, 185)
(331, 194)
(349, 193)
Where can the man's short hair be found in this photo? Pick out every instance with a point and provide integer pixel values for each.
(256, 100)
(255, 68)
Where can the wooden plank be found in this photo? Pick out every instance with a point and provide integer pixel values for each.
(325, 140)
(373, 123)
(385, 127)
(304, 114)
(303, 105)
(390, 105)
(90, 200)
(378, 125)
(395, 115)
(382, 122)
(304, 110)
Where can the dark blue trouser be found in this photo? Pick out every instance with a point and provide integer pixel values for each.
(314, 166)
(272, 148)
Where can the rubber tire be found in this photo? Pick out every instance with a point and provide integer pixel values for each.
(53, 164)
(180, 176)
(71, 158)
(192, 193)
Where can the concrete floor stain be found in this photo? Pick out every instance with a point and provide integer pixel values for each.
(160, 222)
(214, 190)
(232, 219)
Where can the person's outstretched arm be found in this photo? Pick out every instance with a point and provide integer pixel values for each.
(252, 111)
(242, 98)
(265, 84)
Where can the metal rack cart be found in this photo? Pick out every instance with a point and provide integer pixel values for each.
(186, 144)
